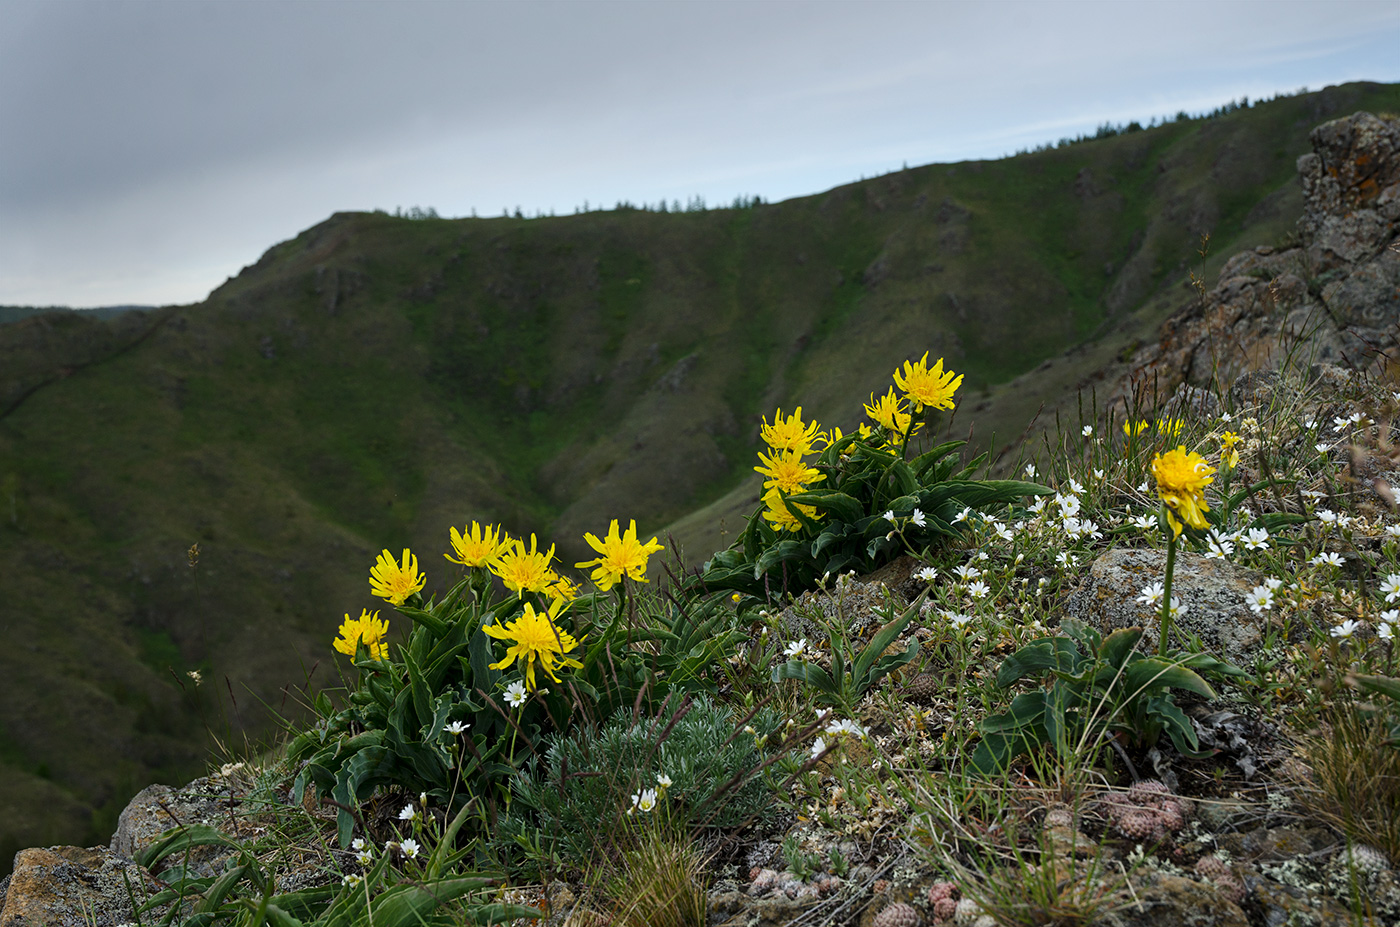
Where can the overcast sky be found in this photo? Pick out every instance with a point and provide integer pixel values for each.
(150, 150)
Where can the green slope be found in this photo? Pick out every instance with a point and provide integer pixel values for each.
(374, 380)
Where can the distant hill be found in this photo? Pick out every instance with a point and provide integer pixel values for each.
(376, 379)
(15, 313)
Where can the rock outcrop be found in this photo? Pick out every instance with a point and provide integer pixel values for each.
(1331, 298)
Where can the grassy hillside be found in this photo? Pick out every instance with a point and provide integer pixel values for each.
(374, 380)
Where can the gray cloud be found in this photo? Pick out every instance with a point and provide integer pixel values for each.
(149, 149)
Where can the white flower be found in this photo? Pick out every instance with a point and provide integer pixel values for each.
(795, 649)
(966, 572)
(1031, 471)
(918, 518)
(1393, 530)
(1328, 559)
(1075, 486)
(1314, 494)
(1386, 632)
(1358, 418)
(1390, 616)
(351, 880)
(1075, 528)
(889, 516)
(1152, 595)
(645, 800)
(1145, 522)
(846, 726)
(1260, 599)
(1144, 488)
(1065, 558)
(1257, 539)
(1087, 430)
(818, 748)
(1273, 582)
(455, 727)
(926, 575)
(1226, 416)
(963, 515)
(1098, 474)
(1002, 531)
(1346, 629)
(195, 675)
(515, 694)
(1069, 504)
(1322, 447)
(1391, 587)
(1339, 421)
(1038, 505)
(1326, 516)
(358, 843)
(978, 589)
(957, 618)
(1176, 609)
(663, 781)
(365, 858)
(409, 848)
(1310, 424)
(408, 813)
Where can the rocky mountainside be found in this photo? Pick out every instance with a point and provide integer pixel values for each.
(201, 489)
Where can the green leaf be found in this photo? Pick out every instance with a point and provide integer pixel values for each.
(882, 639)
(1154, 675)
(838, 504)
(407, 905)
(1118, 646)
(809, 673)
(181, 839)
(1381, 685)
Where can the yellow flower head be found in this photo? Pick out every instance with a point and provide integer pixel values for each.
(1229, 457)
(1181, 482)
(926, 387)
(1170, 428)
(525, 569)
(1130, 429)
(789, 434)
(562, 590)
(536, 637)
(478, 547)
(787, 472)
(366, 629)
(779, 513)
(621, 556)
(395, 582)
(888, 411)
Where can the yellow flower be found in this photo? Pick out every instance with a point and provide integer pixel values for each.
(562, 589)
(525, 569)
(366, 629)
(1181, 482)
(621, 556)
(1229, 457)
(394, 582)
(787, 472)
(789, 434)
(780, 515)
(477, 547)
(1170, 428)
(1130, 429)
(536, 637)
(926, 387)
(888, 411)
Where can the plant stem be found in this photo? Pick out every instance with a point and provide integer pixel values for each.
(1165, 625)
